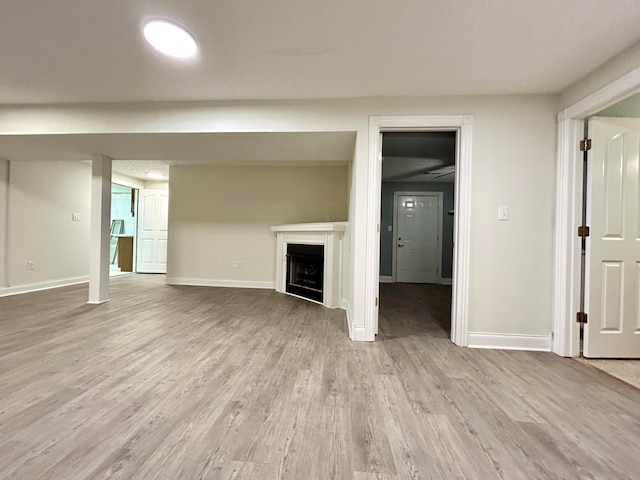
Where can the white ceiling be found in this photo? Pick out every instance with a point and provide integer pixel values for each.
(92, 51)
(71, 51)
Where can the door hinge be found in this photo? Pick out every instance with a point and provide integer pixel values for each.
(378, 228)
(581, 317)
(583, 231)
(585, 145)
(376, 301)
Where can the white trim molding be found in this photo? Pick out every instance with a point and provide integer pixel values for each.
(501, 341)
(604, 97)
(327, 234)
(36, 287)
(210, 282)
(567, 252)
(566, 277)
(356, 333)
(462, 124)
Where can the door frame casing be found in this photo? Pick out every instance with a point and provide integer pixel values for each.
(462, 125)
(394, 256)
(566, 281)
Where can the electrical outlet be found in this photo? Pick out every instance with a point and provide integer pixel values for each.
(30, 265)
(239, 263)
(75, 217)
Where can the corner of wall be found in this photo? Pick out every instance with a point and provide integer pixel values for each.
(616, 67)
(4, 218)
(356, 333)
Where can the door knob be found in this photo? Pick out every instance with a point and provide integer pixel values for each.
(401, 244)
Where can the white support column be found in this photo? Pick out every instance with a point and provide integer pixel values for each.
(100, 230)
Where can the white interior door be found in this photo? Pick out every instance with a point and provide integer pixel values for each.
(613, 248)
(417, 238)
(152, 231)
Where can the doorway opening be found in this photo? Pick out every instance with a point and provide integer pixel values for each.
(462, 125)
(416, 222)
(568, 248)
(124, 225)
(610, 277)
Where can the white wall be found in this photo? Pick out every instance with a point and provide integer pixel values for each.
(513, 163)
(512, 261)
(156, 185)
(128, 181)
(621, 64)
(221, 214)
(4, 190)
(42, 198)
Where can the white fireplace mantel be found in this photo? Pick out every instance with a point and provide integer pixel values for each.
(328, 234)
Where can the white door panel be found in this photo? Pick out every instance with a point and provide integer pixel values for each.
(162, 251)
(417, 238)
(153, 230)
(613, 248)
(163, 212)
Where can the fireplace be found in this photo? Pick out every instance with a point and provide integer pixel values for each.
(309, 261)
(305, 271)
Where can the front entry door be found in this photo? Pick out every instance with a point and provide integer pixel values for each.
(152, 231)
(613, 248)
(417, 238)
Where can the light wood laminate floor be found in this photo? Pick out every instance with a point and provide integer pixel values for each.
(207, 383)
(626, 370)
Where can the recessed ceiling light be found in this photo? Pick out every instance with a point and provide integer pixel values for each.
(170, 38)
(156, 176)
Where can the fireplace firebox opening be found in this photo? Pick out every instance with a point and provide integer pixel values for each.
(305, 271)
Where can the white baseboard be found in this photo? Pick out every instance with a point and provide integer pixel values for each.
(209, 282)
(386, 279)
(35, 287)
(356, 333)
(359, 334)
(502, 341)
(99, 303)
(347, 308)
(446, 281)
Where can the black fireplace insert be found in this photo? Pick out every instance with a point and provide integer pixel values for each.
(305, 270)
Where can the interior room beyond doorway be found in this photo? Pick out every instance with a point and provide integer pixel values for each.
(416, 237)
(122, 241)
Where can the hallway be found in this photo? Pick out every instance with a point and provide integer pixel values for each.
(414, 309)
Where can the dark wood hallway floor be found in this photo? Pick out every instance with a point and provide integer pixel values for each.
(170, 382)
(414, 309)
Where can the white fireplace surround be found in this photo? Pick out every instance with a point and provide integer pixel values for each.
(328, 234)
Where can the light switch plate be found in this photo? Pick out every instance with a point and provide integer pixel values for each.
(503, 212)
(75, 217)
